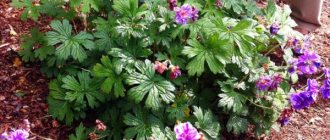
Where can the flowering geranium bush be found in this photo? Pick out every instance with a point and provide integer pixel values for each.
(174, 69)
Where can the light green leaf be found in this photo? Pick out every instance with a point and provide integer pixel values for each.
(69, 45)
(207, 123)
(148, 83)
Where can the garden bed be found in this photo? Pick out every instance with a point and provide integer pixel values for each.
(23, 89)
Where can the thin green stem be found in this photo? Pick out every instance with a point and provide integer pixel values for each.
(261, 106)
(271, 50)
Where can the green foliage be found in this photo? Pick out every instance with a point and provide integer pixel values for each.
(86, 5)
(140, 124)
(100, 56)
(69, 45)
(148, 82)
(59, 107)
(82, 90)
(28, 43)
(230, 99)
(215, 53)
(30, 10)
(207, 123)
(158, 134)
(114, 79)
(237, 124)
(80, 133)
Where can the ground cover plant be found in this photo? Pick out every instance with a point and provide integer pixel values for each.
(159, 69)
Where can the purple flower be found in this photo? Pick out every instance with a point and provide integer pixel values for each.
(284, 121)
(194, 14)
(175, 72)
(325, 89)
(274, 28)
(300, 100)
(3, 136)
(276, 80)
(172, 4)
(312, 85)
(326, 72)
(300, 46)
(185, 13)
(293, 66)
(263, 83)
(18, 134)
(186, 131)
(309, 62)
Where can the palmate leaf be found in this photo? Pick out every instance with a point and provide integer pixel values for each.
(158, 134)
(129, 8)
(69, 45)
(140, 124)
(28, 43)
(128, 56)
(236, 5)
(132, 24)
(59, 107)
(237, 124)
(55, 9)
(30, 10)
(103, 42)
(147, 83)
(238, 34)
(207, 123)
(44, 51)
(83, 90)
(179, 110)
(216, 53)
(37, 39)
(113, 79)
(230, 99)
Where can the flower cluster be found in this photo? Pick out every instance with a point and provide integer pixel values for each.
(267, 83)
(161, 67)
(185, 14)
(186, 131)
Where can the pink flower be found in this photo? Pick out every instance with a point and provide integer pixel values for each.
(172, 4)
(160, 67)
(100, 125)
(186, 131)
(175, 72)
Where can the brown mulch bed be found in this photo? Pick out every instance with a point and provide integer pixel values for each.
(23, 89)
